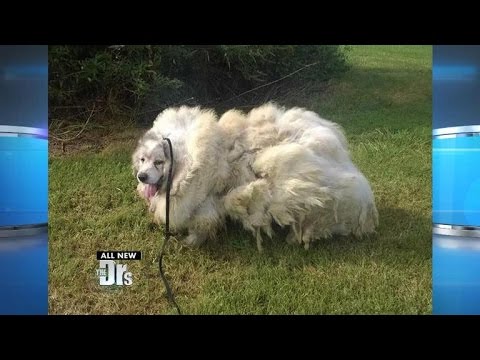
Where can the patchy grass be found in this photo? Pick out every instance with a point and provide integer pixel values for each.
(384, 104)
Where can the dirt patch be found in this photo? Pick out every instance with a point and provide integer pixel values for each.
(94, 141)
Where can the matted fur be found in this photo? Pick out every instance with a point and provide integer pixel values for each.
(270, 165)
(200, 171)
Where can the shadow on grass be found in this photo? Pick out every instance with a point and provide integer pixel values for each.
(402, 237)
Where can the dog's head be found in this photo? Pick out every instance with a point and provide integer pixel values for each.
(151, 162)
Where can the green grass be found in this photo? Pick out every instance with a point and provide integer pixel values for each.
(384, 104)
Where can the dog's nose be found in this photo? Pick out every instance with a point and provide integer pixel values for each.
(142, 177)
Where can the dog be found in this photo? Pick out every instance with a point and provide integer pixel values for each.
(271, 165)
(200, 170)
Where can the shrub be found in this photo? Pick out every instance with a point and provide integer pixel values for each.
(139, 79)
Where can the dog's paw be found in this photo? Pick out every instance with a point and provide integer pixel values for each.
(193, 240)
(291, 238)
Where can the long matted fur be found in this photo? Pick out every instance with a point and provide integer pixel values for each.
(270, 165)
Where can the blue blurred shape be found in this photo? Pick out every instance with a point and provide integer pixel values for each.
(456, 275)
(24, 181)
(24, 275)
(454, 72)
(456, 181)
(23, 178)
(24, 85)
(25, 72)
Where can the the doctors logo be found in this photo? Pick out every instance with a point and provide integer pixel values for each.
(111, 272)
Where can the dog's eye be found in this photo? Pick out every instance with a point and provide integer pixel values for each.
(142, 159)
(158, 162)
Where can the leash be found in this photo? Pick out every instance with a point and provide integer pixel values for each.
(170, 296)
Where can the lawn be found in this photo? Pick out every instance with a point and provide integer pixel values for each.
(384, 104)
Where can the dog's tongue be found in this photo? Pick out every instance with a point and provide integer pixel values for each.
(149, 191)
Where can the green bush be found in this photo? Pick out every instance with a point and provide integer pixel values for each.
(140, 79)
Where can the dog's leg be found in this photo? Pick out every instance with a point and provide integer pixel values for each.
(294, 235)
(206, 221)
(309, 225)
(307, 237)
(307, 245)
(298, 231)
(259, 240)
(291, 237)
(194, 240)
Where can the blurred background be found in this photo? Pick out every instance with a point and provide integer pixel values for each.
(23, 85)
(456, 179)
(100, 87)
(23, 179)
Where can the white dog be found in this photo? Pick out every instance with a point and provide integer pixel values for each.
(270, 165)
(200, 169)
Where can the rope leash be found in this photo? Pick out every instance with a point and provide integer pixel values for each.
(170, 296)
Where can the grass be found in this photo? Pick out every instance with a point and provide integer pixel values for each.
(384, 104)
